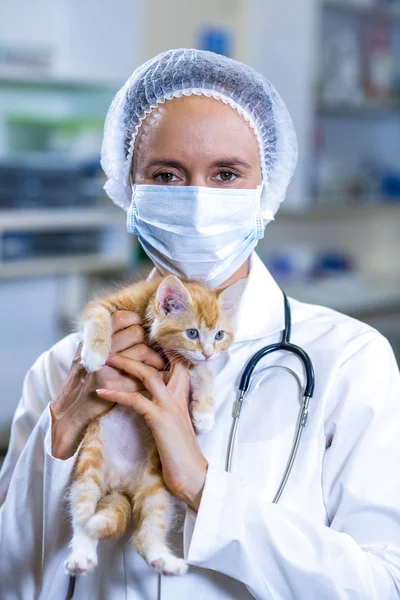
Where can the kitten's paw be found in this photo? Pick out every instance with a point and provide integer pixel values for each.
(168, 564)
(91, 360)
(203, 421)
(80, 562)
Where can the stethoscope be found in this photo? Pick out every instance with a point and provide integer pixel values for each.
(284, 345)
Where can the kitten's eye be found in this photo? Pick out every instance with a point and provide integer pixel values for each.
(220, 335)
(192, 333)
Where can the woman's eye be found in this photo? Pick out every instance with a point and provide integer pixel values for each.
(226, 176)
(192, 334)
(220, 335)
(165, 177)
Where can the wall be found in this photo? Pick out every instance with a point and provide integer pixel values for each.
(178, 23)
(282, 46)
(91, 39)
(369, 236)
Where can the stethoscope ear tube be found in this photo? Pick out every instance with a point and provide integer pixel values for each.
(287, 347)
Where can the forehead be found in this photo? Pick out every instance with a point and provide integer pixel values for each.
(193, 126)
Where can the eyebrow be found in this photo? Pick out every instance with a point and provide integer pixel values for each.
(232, 161)
(166, 162)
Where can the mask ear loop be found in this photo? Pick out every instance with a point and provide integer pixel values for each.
(264, 216)
(132, 211)
(259, 219)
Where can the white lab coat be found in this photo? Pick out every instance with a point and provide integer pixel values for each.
(335, 533)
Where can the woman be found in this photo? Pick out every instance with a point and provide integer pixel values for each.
(186, 119)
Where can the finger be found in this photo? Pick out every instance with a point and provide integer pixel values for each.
(146, 355)
(110, 378)
(180, 374)
(135, 400)
(125, 338)
(179, 383)
(148, 375)
(130, 342)
(121, 319)
(78, 353)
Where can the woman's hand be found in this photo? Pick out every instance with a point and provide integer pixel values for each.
(77, 403)
(167, 414)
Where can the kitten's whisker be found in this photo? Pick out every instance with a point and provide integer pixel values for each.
(175, 357)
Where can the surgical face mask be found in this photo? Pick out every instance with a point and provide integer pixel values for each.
(198, 233)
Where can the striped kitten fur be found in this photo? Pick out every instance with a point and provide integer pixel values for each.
(117, 478)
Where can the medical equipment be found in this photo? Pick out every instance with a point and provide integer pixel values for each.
(189, 232)
(284, 345)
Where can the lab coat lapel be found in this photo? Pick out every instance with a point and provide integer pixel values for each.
(261, 307)
(260, 321)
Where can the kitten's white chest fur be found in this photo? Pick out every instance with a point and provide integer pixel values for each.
(126, 440)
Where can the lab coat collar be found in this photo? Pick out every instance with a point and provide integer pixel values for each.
(261, 308)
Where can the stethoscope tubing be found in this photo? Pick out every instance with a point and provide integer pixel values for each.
(284, 345)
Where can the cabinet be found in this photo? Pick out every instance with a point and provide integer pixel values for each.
(51, 182)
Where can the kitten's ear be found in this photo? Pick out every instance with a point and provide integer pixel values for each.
(230, 297)
(172, 296)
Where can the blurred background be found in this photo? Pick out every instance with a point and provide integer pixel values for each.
(336, 239)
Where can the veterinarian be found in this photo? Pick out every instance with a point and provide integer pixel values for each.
(192, 118)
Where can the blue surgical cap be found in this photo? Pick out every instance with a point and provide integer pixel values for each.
(184, 72)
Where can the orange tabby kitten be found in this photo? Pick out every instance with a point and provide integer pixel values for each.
(117, 475)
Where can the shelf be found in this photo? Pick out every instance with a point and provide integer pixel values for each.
(41, 267)
(67, 124)
(391, 13)
(52, 83)
(367, 111)
(354, 294)
(58, 219)
(337, 211)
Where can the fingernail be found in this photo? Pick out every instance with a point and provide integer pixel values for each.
(101, 390)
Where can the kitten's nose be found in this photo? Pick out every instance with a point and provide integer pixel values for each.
(207, 354)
